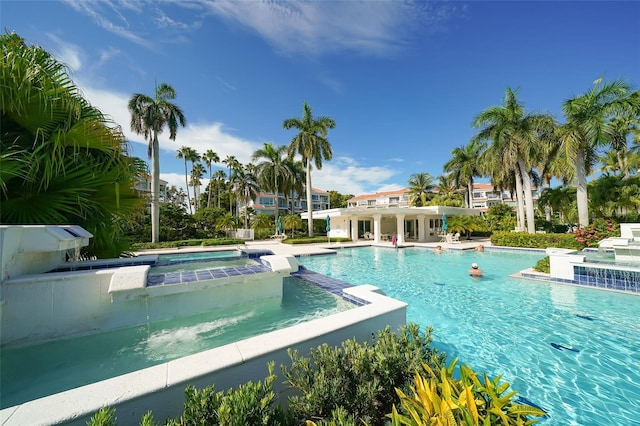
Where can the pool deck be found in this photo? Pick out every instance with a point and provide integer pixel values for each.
(322, 248)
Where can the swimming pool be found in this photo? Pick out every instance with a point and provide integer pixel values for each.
(36, 371)
(573, 351)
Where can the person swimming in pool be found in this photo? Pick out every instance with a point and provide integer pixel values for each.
(475, 271)
(438, 249)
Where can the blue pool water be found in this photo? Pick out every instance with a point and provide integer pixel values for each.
(36, 371)
(573, 351)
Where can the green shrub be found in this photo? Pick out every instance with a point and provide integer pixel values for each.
(249, 404)
(543, 265)
(106, 416)
(187, 243)
(360, 378)
(437, 398)
(523, 239)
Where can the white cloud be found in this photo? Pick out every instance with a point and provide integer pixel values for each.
(376, 28)
(346, 176)
(68, 53)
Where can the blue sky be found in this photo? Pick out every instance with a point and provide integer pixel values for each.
(402, 79)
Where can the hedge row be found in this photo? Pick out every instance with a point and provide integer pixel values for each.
(543, 241)
(187, 243)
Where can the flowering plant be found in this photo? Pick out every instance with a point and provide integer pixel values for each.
(596, 231)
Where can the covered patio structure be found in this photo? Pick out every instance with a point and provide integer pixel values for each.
(421, 224)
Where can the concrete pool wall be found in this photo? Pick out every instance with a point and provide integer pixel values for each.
(42, 307)
(36, 306)
(161, 388)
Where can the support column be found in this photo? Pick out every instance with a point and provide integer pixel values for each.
(354, 228)
(400, 227)
(376, 228)
(422, 227)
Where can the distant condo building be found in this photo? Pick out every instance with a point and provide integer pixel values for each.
(484, 196)
(397, 198)
(143, 186)
(265, 202)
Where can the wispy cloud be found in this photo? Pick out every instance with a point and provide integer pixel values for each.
(225, 84)
(68, 53)
(316, 28)
(100, 12)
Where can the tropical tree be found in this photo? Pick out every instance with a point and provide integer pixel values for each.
(420, 187)
(210, 158)
(188, 154)
(464, 166)
(227, 222)
(293, 184)
(149, 116)
(261, 221)
(553, 163)
(233, 164)
(197, 172)
(588, 119)
(245, 184)
(176, 196)
(272, 170)
(562, 200)
(447, 193)
(515, 138)
(61, 160)
(291, 222)
(338, 200)
(218, 180)
(617, 134)
(313, 146)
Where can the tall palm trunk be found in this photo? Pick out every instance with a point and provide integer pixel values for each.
(469, 196)
(581, 189)
(155, 190)
(210, 188)
(548, 210)
(519, 203)
(309, 201)
(186, 182)
(277, 200)
(528, 197)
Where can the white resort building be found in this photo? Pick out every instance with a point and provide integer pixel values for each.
(378, 216)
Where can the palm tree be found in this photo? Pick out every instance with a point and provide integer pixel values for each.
(617, 132)
(149, 116)
(447, 194)
(244, 183)
(58, 150)
(553, 163)
(312, 144)
(420, 187)
(294, 182)
(464, 166)
(515, 137)
(197, 172)
(219, 177)
(233, 164)
(210, 158)
(587, 117)
(272, 170)
(189, 154)
(226, 222)
(261, 221)
(292, 222)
